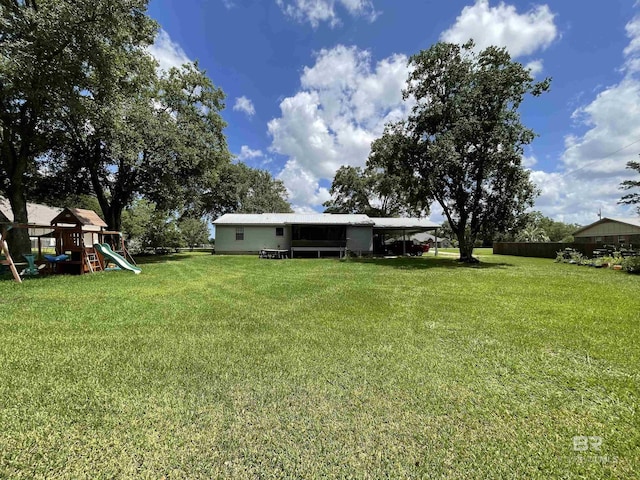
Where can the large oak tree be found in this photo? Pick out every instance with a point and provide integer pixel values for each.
(238, 188)
(49, 51)
(370, 191)
(462, 144)
(157, 137)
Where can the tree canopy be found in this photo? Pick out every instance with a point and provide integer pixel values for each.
(194, 231)
(634, 197)
(84, 110)
(51, 50)
(238, 188)
(370, 191)
(160, 140)
(462, 144)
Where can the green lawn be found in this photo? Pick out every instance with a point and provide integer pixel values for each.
(210, 366)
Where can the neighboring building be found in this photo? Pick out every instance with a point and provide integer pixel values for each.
(431, 240)
(310, 234)
(610, 231)
(40, 215)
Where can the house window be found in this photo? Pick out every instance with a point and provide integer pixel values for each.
(598, 239)
(279, 231)
(622, 239)
(239, 233)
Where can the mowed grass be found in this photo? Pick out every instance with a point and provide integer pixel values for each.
(211, 366)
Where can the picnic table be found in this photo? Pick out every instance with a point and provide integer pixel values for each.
(273, 253)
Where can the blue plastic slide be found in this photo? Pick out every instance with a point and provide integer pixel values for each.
(119, 260)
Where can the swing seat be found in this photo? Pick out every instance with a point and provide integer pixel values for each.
(31, 262)
(56, 259)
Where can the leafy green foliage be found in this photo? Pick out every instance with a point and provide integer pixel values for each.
(84, 103)
(158, 137)
(194, 231)
(631, 264)
(631, 198)
(146, 227)
(555, 231)
(371, 191)
(532, 233)
(463, 143)
(51, 50)
(237, 188)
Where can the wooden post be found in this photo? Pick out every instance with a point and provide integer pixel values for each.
(9, 260)
(404, 242)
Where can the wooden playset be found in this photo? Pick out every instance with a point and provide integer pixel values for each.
(76, 232)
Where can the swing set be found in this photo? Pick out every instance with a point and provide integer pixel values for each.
(75, 231)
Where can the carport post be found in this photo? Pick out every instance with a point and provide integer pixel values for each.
(404, 244)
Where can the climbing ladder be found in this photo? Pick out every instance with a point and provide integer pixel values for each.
(91, 258)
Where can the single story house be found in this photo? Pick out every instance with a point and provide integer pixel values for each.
(311, 234)
(39, 215)
(432, 240)
(610, 231)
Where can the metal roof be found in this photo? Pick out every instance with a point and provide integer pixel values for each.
(323, 219)
(292, 219)
(399, 223)
(634, 222)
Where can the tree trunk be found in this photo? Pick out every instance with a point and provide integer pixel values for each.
(111, 207)
(18, 238)
(113, 216)
(466, 245)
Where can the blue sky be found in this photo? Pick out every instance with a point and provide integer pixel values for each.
(310, 83)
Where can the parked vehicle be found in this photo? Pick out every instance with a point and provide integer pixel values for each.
(411, 247)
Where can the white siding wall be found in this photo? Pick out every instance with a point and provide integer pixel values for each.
(255, 238)
(360, 239)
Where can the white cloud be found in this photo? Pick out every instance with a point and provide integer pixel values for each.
(594, 163)
(247, 153)
(342, 107)
(318, 11)
(243, 104)
(302, 187)
(567, 199)
(521, 33)
(535, 66)
(529, 162)
(167, 52)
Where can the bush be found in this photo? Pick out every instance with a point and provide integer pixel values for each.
(631, 265)
(568, 255)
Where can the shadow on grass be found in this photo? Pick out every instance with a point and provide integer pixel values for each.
(421, 263)
(151, 259)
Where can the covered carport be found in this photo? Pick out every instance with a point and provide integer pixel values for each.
(402, 228)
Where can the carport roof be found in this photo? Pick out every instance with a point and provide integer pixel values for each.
(390, 223)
